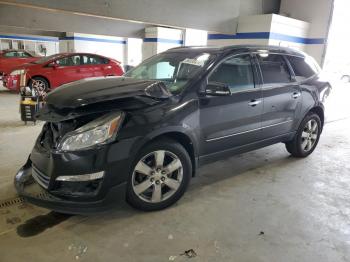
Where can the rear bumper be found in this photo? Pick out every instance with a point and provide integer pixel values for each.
(30, 190)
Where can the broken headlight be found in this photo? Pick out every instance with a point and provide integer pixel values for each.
(99, 131)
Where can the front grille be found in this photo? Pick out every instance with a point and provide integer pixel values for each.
(40, 177)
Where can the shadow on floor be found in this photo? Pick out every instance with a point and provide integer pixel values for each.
(39, 224)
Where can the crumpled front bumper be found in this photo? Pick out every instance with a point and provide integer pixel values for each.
(31, 191)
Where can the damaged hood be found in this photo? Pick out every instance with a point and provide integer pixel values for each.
(89, 91)
(100, 95)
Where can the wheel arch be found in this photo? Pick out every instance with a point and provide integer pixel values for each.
(41, 76)
(320, 112)
(177, 134)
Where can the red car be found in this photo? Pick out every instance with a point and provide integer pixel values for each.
(52, 71)
(14, 58)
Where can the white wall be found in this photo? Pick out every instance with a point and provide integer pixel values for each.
(317, 13)
(30, 42)
(266, 30)
(134, 51)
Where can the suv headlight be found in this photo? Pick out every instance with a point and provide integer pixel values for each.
(18, 72)
(99, 131)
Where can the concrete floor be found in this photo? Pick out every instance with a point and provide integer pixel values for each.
(259, 206)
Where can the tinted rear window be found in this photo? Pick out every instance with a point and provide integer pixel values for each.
(303, 68)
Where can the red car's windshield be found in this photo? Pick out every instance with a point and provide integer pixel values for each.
(46, 59)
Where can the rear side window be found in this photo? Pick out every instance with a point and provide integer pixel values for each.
(274, 69)
(94, 60)
(236, 72)
(303, 68)
(23, 54)
(69, 61)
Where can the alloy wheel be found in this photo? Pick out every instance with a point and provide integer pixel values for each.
(39, 85)
(157, 176)
(309, 135)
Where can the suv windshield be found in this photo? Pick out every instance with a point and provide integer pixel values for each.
(175, 69)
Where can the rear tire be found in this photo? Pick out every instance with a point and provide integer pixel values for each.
(307, 136)
(159, 176)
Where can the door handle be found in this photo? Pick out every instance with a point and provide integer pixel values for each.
(295, 95)
(254, 102)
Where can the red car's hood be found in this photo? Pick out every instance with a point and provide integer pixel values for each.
(9, 64)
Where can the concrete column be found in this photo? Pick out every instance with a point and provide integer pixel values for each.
(160, 39)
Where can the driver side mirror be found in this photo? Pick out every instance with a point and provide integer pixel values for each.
(217, 89)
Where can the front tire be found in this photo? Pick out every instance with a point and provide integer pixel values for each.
(307, 136)
(40, 84)
(160, 175)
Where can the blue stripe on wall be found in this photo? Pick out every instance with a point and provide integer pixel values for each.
(33, 38)
(268, 35)
(162, 40)
(296, 39)
(123, 42)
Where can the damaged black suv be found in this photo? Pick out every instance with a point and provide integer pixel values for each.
(141, 137)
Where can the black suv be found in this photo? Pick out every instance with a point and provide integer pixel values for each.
(142, 136)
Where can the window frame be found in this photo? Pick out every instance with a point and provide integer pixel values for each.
(254, 71)
(274, 85)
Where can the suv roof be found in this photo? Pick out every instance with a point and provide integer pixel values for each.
(238, 48)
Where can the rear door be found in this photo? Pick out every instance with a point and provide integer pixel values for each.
(281, 93)
(233, 120)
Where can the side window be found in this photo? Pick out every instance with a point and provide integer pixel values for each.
(303, 68)
(274, 69)
(69, 61)
(10, 54)
(23, 54)
(92, 60)
(236, 72)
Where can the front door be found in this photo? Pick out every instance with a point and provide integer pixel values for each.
(67, 70)
(234, 120)
(282, 95)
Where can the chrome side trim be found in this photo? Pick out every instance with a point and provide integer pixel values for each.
(281, 123)
(235, 134)
(248, 131)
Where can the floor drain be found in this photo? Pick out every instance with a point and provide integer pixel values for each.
(11, 202)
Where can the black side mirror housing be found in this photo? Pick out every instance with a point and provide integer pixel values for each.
(217, 89)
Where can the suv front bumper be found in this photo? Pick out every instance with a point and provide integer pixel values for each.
(28, 188)
(37, 181)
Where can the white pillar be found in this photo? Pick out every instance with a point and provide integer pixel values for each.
(160, 39)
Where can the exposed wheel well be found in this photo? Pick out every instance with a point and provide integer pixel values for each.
(40, 77)
(319, 111)
(185, 141)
